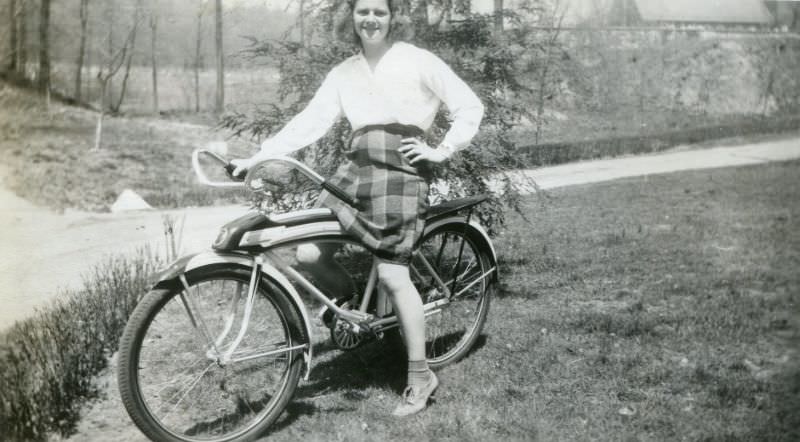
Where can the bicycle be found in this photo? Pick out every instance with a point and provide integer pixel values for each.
(214, 351)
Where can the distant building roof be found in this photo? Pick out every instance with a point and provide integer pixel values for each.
(704, 11)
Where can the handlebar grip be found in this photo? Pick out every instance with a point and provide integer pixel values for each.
(342, 195)
(229, 168)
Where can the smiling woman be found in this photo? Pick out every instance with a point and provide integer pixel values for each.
(390, 93)
(397, 23)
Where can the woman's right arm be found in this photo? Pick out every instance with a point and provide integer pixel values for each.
(319, 115)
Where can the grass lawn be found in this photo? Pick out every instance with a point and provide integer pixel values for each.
(660, 308)
(656, 308)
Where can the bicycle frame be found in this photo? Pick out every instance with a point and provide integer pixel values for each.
(270, 265)
(267, 263)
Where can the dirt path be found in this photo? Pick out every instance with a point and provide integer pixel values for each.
(44, 252)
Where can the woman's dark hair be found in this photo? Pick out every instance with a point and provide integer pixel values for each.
(344, 27)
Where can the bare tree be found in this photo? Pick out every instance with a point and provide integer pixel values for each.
(84, 16)
(131, 41)
(114, 61)
(153, 38)
(219, 103)
(549, 46)
(43, 75)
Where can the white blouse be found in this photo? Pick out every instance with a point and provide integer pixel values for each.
(407, 86)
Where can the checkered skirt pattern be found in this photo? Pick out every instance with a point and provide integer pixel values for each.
(391, 191)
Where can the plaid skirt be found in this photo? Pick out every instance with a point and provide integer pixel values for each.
(393, 194)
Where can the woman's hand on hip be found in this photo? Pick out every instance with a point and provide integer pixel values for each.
(417, 150)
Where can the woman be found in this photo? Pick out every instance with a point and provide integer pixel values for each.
(390, 92)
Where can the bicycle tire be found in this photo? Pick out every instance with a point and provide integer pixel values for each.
(159, 338)
(452, 332)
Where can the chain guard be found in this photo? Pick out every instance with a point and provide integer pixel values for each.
(344, 336)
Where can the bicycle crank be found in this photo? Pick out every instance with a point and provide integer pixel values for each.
(348, 335)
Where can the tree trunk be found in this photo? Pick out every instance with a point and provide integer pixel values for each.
(420, 13)
(98, 133)
(43, 75)
(197, 47)
(498, 15)
(219, 104)
(153, 29)
(22, 39)
(12, 15)
(540, 99)
(84, 14)
(110, 21)
(302, 15)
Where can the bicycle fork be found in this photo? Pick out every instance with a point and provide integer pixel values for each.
(229, 353)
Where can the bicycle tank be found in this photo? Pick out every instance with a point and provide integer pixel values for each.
(248, 230)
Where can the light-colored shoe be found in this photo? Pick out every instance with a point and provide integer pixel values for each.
(415, 399)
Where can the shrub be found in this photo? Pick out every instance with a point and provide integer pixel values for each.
(49, 360)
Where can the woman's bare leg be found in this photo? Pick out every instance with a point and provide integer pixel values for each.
(395, 280)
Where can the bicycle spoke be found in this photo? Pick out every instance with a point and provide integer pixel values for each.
(192, 384)
(463, 273)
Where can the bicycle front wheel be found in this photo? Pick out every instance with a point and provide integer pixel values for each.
(174, 384)
(452, 327)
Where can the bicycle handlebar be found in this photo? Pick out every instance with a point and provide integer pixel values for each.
(201, 176)
(334, 190)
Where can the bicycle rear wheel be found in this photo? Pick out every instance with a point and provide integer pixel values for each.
(169, 378)
(452, 328)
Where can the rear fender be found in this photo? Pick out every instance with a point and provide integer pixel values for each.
(170, 278)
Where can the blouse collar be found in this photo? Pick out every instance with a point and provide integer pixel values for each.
(385, 54)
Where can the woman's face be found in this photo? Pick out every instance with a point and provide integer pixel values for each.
(372, 19)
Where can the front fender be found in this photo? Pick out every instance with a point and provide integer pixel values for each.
(169, 278)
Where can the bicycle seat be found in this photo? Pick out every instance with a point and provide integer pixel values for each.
(231, 233)
(448, 208)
